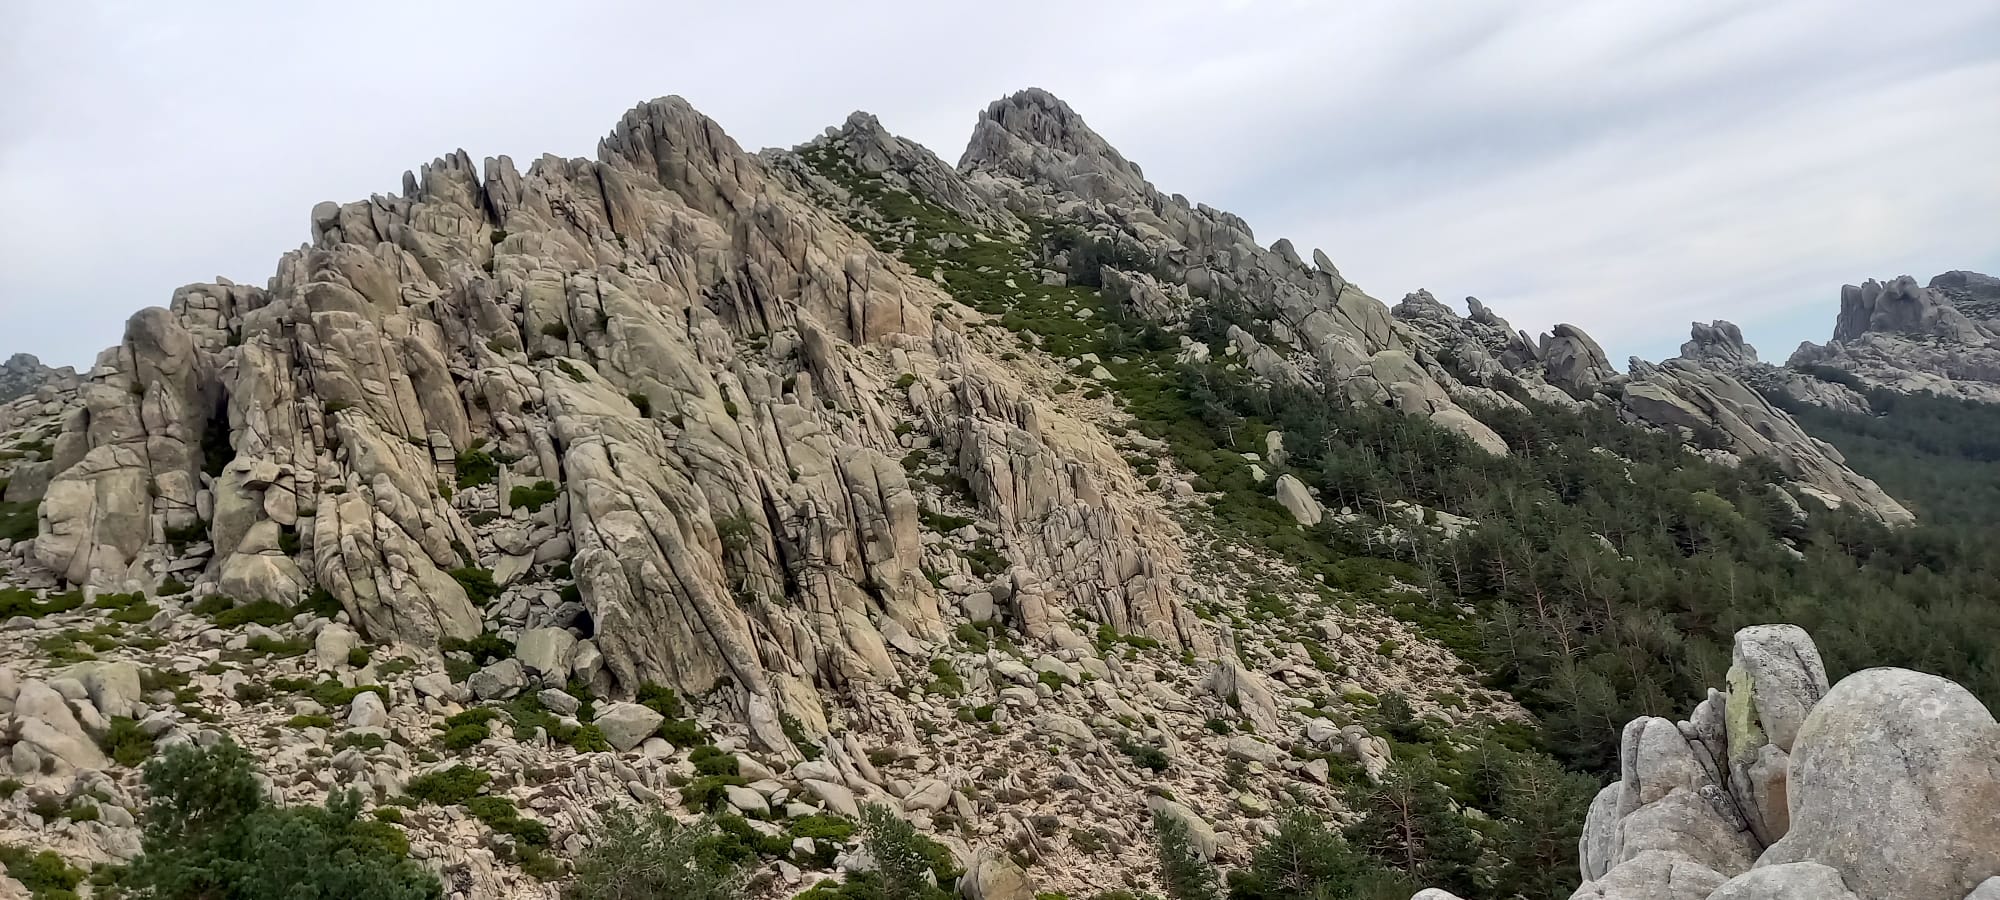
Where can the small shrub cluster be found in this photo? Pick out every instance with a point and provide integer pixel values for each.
(533, 497)
(210, 832)
(478, 584)
(450, 787)
(476, 467)
(17, 602)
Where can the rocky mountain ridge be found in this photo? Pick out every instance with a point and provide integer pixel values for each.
(1943, 338)
(805, 438)
(24, 374)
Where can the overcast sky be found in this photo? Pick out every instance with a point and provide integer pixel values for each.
(1625, 166)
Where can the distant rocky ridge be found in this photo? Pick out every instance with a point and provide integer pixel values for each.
(1943, 338)
(23, 374)
(1885, 785)
(1706, 395)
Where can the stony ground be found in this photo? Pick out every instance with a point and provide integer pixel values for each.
(1057, 753)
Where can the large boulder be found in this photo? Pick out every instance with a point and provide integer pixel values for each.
(1653, 875)
(1895, 783)
(1775, 678)
(44, 724)
(1299, 501)
(546, 652)
(993, 876)
(626, 725)
(1791, 881)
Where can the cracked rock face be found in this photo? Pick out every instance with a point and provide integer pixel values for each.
(685, 416)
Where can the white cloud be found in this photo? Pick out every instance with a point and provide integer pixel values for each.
(1627, 167)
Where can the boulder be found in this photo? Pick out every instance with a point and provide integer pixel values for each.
(499, 681)
(113, 687)
(837, 797)
(546, 652)
(559, 702)
(1201, 834)
(1895, 783)
(1653, 875)
(332, 646)
(992, 875)
(43, 722)
(1299, 501)
(1791, 881)
(625, 725)
(366, 710)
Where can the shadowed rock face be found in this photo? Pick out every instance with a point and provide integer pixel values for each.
(1901, 306)
(23, 374)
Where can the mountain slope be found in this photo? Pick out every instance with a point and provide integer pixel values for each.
(1019, 496)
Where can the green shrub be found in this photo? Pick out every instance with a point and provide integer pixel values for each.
(460, 737)
(268, 613)
(1183, 872)
(210, 833)
(467, 728)
(328, 693)
(45, 875)
(125, 743)
(556, 330)
(475, 467)
(360, 741)
(662, 700)
(19, 521)
(945, 680)
(1145, 755)
(17, 602)
(650, 854)
(357, 656)
(533, 498)
(907, 864)
(707, 793)
(478, 584)
(795, 731)
(501, 815)
(683, 733)
(450, 787)
(265, 645)
(712, 760)
(484, 648)
(736, 532)
(321, 603)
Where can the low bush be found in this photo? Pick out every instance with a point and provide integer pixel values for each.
(651, 854)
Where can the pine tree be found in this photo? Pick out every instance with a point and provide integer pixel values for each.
(1408, 822)
(1183, 872)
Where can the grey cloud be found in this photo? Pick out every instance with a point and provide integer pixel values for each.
(1628, 167)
